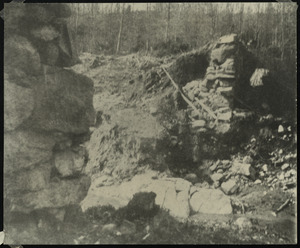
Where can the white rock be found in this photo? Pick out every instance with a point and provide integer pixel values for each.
(193, 189)
(285, 166)
(227, 38)
(281, 176)
(261, 174)
(241, 168)
(198, 123)
(243, 223)
(182, 185)
(280, 129)
(288, 174)
(265, 168)
(210, 201)
(225, 116)
(165, 189)
(216, 177)
(191, 177)
(229, 187)
(293, 172)
(224, 89)
(258, 181)
(214, 166)
(182, 208)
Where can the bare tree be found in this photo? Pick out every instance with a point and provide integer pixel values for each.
(147, 34)
(282, 31)
(168, 23)
(120, 30)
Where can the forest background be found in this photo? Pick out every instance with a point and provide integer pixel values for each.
(164, 29)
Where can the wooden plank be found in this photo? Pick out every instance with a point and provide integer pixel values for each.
(181, 92)
(206, 108)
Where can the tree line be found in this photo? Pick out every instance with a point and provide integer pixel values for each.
(114, 28)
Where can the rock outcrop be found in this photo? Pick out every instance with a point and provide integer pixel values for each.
(48, 110)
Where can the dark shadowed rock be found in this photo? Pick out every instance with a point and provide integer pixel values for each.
(189, 66)
(29, 180)
(64, 104)
(18, 105)
(23, 149)
(57, 194)
(20, 57)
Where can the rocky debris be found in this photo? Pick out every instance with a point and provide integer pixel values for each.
(214, 166)
(285, 177)
(214, 94)
(210, 201)
(48, 109)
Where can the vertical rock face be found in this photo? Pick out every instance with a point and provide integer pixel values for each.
(47, 110)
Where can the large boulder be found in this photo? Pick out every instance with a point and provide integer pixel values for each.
(64, 102)
(18, 105)
(20, 57)
(69, 163)
(210, 201)
(28, 180)
(24, 149)
(59, 193)
(48, 110)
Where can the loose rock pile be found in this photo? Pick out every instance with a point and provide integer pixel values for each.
(47, 111)
(214, 95)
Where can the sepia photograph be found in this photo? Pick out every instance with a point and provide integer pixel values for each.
(149, 123)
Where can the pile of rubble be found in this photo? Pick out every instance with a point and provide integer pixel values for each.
(214, 96)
